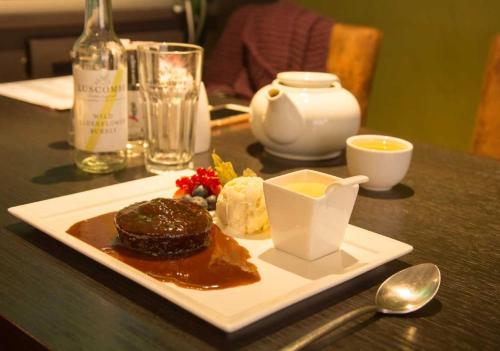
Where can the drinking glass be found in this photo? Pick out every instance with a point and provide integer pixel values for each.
(169, 81)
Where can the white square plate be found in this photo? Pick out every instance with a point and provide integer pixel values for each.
(285, 279)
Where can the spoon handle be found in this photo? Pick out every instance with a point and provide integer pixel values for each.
(328, 327)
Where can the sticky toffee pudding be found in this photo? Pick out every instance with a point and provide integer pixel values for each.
(164, 227)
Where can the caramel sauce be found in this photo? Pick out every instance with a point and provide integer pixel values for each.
(223, 264)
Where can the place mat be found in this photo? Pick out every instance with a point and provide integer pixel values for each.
(54, 93)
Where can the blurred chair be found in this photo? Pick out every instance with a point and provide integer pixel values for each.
(352, 56)
(486, 138)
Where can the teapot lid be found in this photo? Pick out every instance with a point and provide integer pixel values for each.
(299, 79)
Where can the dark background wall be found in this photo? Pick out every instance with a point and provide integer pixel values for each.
(430, 69)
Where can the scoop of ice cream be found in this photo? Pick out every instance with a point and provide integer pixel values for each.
(241, 207)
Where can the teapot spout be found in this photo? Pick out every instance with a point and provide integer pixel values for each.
(283, 120)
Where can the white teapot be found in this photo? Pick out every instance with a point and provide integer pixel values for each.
(304, 116)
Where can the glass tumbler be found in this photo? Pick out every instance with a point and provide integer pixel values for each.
(169, 81)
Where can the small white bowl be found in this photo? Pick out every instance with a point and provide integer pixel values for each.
(306, 226)
(385, 168)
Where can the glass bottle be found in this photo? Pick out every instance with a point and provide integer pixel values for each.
(100, 108)
(135, 145)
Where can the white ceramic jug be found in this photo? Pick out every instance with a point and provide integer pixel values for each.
(304, 116)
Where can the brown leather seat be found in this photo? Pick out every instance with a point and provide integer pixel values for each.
(352, 57)
(486, 138)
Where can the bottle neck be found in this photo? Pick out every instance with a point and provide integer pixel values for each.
(98, 16)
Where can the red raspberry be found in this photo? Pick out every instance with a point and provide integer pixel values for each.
(204, 176)
(185, 183)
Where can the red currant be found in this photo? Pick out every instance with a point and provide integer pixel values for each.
(204, 176)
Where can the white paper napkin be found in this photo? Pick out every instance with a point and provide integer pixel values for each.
(55, 93)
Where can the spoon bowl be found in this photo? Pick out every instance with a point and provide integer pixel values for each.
(409, 289)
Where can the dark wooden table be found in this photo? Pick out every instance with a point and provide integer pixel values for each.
(447, 208)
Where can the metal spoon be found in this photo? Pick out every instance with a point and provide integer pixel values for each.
(403, 292)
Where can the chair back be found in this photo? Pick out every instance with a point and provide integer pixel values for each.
(486, 138)
(352, 57)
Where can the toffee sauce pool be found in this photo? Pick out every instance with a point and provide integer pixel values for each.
(223, 264)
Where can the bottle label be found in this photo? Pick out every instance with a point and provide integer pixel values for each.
(100, 111)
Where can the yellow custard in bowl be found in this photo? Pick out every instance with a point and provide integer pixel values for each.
(314, 189)
(380, 144)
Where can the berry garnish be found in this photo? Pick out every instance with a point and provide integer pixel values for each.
(200, 190)
(211, 202)
(198, 200)
(179, 193)
(205, 177)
